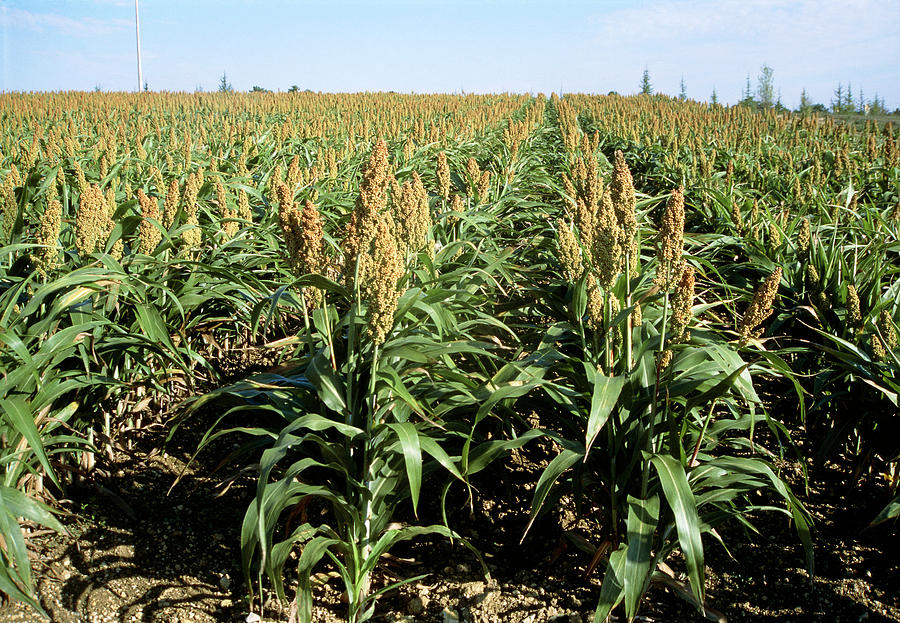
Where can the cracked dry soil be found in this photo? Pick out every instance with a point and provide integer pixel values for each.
(136, 552)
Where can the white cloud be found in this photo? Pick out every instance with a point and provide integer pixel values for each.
(63, 25)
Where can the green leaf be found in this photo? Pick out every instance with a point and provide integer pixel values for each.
(890, 511)
(579, 298)
(328, 384)
(412, 456)
(606, 393)
(563, 461)
(716, 391)
(19, 415)
(681, 500)
(612, 590)
(433, 448)
(312, 553)
(20, 505)
(643, 516)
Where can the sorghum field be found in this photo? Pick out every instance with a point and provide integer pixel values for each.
(446, 358)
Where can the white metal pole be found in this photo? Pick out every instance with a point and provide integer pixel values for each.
(137, 31)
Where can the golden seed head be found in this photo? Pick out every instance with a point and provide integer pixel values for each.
(310, 255)
(888, 332)
(290, 220)
(760, 307)
(191, 190)
(637, 315)
(170, 207)
(228, 215)
(484, 186)
(149, 236)
(854, 310)
(370, 204)
(221, 196)
(569, 251)
(607, 251)
(111, 204)
(774, 236)
(615, 308)
(275, 178)
(79, 176)
(736, 217)
(803, 237)
(412, 215)
(293, 172)
(585, 183)
(192, 236)
(813, 281)
(48, 235)
(91, 221)
(117, 250)
(456, 206)
(682, 302)
(569, 187)
(878, 352)
(474, 175)
(443, 176)
(396, 189)
(665, 359)
(381, 268)
(621, 190)
(158, 184)
(670, 249)
(594, 304)
(52, 192)
(244, 211)
(186, 150)
(584, 222)
(60, 178)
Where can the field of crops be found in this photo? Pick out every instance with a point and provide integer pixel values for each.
(671, 312)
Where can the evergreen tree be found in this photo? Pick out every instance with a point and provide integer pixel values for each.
(714, 99)
(877, 106)
(224, 85)
(747, 96)
(646, 87)
(837, 104)
(682, 94)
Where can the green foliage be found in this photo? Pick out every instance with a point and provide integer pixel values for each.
(224, 85)
(765, 87)
(646, 87)
(354, 430)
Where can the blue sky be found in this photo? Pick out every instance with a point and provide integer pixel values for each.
(458, 45)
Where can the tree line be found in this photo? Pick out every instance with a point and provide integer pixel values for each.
(766, 95)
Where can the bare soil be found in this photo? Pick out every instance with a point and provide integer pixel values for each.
(138, 552)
